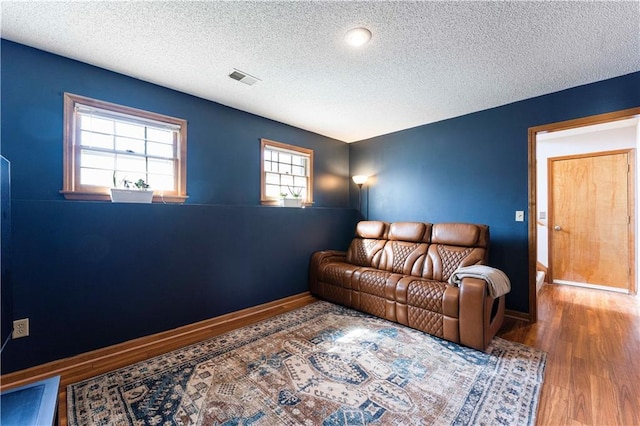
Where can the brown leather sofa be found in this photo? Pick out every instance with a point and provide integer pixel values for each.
(399, 272)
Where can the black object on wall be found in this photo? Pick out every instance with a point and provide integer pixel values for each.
(6, 293)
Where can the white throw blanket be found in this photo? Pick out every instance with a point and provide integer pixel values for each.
(498, 282)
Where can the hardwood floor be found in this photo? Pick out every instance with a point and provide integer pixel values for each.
(593, 367)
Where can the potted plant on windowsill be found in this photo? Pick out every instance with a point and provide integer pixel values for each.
(295, 200)
(133, 192)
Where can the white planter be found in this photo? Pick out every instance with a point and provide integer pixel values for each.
(131, 196)
(292, 202)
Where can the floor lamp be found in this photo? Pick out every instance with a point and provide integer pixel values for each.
(360, 180)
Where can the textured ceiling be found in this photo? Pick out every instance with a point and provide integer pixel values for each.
(427, 61)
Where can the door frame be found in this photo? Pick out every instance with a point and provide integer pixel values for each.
(630, 152)
(533, 232)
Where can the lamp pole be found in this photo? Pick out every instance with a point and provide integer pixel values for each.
(360, 180)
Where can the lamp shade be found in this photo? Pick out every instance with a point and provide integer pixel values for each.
(360, 179)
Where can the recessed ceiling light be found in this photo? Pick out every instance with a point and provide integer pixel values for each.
(357, 37)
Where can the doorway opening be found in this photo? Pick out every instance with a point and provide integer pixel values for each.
(539, 228)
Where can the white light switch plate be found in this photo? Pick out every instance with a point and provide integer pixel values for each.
(519, 216)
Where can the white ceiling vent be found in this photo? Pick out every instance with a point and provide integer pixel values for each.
(243, 77)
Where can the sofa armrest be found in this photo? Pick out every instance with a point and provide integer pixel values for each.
(317, 259)
(320, 257)
(477, 327)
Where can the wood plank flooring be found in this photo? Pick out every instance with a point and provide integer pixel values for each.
(593, 367)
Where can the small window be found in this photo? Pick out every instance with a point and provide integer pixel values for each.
(287, 172)
(108, 145)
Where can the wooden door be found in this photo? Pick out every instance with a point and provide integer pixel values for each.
(590, 205)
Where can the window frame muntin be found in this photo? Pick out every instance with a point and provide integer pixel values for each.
(297, 150)
(73, 190)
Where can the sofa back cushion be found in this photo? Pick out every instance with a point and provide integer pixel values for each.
(460, 234)
(454, 245)
(410, 231)
(406, 248)
(372, 229)
(366, 247)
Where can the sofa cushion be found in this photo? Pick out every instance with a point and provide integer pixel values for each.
(454, 245)
(334, 293)
(442, 260)
(334, 282)
(403, 257)
(405, 250)
(365, 252)
(366, 248)
(371, 281)
(336, 273)
(372, 229)
(374, 292)
(460, 234)
(420, 304)
(410, 231)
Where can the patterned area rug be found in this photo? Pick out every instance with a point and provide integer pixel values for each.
(319, 365)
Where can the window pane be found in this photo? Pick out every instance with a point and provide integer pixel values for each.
(130, 130)
(272, 178)
(130, 163)
(284, 158)
(161, 182)
(85, 121)
(96, 177)
(299, 181)
(267, 166)
(284, 168)
(97, 124)
(96, 140)
(298, 161)
(160, 135)
(286, 180)
(97, 160)
(160, 150)
(163, 167)
(273, 191)
(130, 145)
(267, 154)
(298, 171)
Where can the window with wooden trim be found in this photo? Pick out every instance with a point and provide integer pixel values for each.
(108, 145)
(286, 172)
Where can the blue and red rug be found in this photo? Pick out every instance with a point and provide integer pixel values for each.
(322, 364)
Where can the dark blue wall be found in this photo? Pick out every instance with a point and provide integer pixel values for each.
(92, 274)
(474, 168)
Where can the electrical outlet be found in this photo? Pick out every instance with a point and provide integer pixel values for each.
(21, 328)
